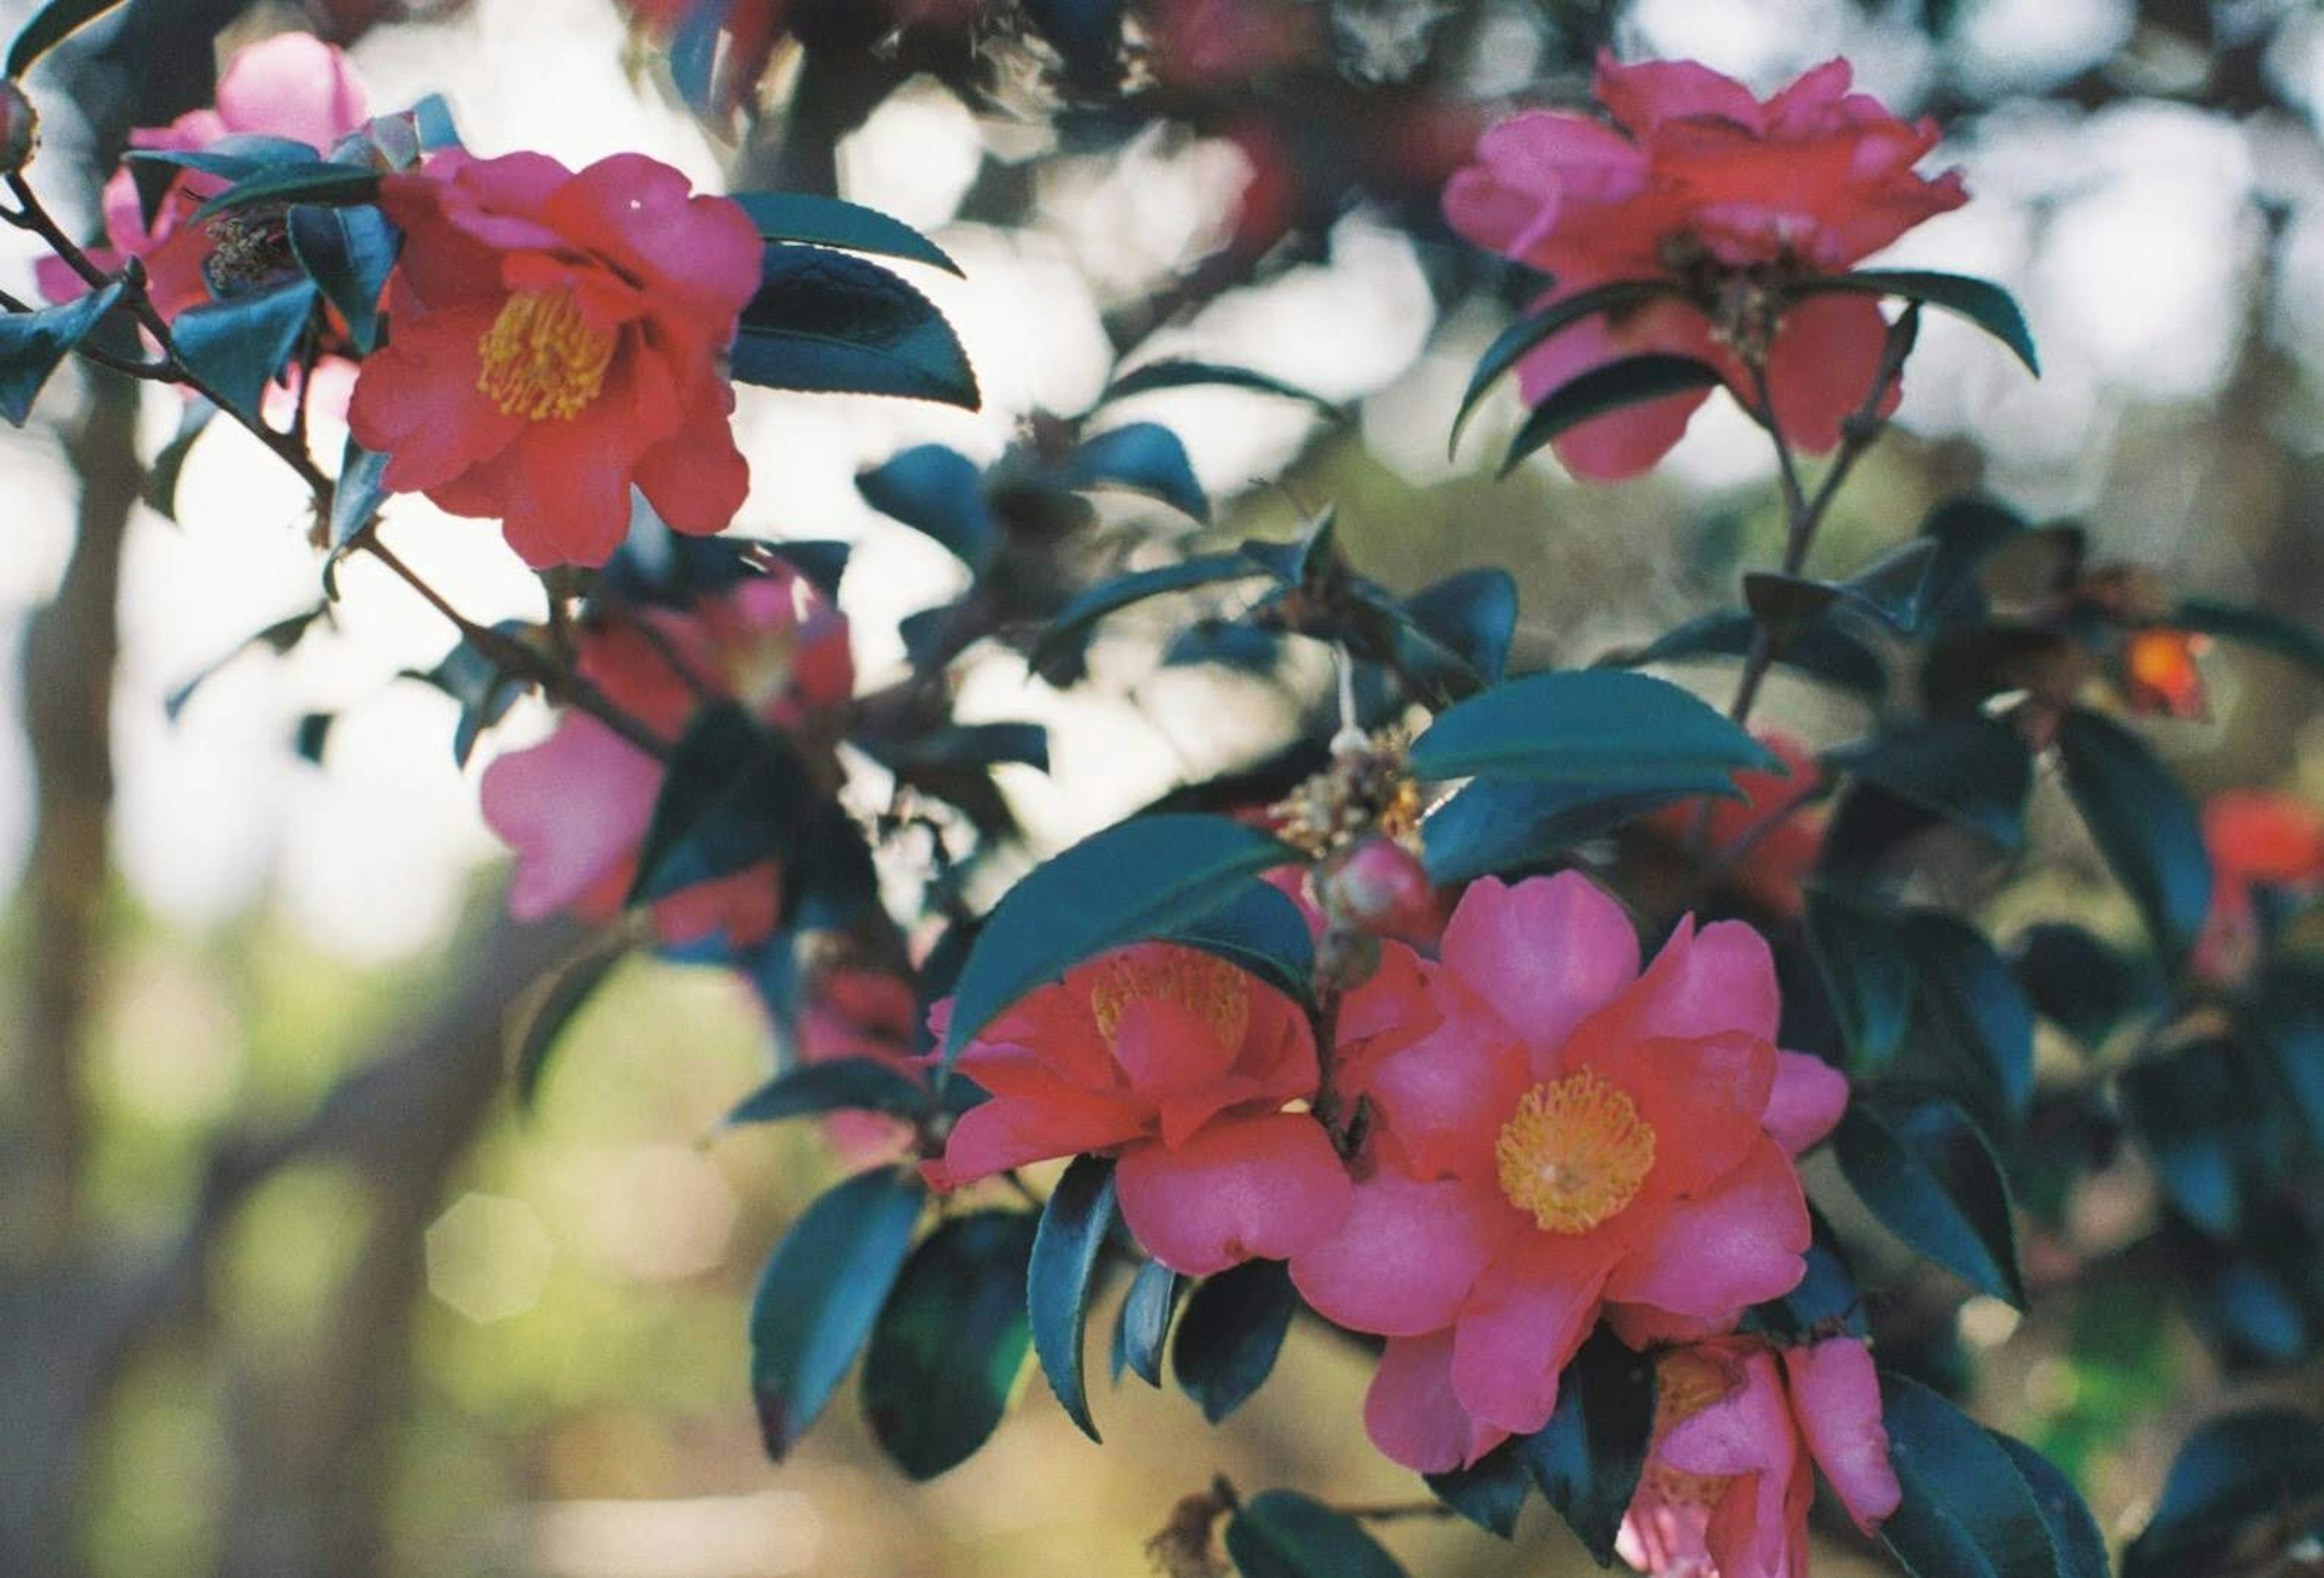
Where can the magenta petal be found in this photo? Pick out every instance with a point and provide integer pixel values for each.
(1627, 442)
(293, 84)
(1527, 1315)
(1836, 1397)
(1404, 1260)
(1546, 953)
(1806, 1102)
(1008, 1132)
(1411, 1414)
(1708, 982)
(1740, 1245)
(1644, 96)
(1240, 1189)
(574, 808)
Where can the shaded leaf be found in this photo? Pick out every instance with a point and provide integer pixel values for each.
(1064, 634)
(1145, 1322)
(937, 491)
(1489, 1492)
(2195, 1117)
(1062, 1276)
(2253, 627)
(318, 183)
(1146, 458)
(1967, 1512)
(1600, 726)
(1473, 615)
(348, 253)
(733, 794)
(1512, 345)
(1180, 373)
(2074, 1534)
(540, 1015)
(1932, 1180)
(1280, 1534)
(1867, 967)
(2143, 823)
(1610, 387)
(829, 222)
(950, 1342)
(2232, 1474)
(32, 344)
(1821, 650)
(1260, 930)
(1494, 826)
(1981, 301)
(824, 322)
(50, 26)
(2078, 982)
(840, 1085)
(161, 477)
(1975, 771)
(1230, 1335)
(237, 347)
(1588, 1458)
(1970, 1010)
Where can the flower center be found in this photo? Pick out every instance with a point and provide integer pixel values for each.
(1685, 1383)
(542, 358)
(1211, 989)
(1574, 1153)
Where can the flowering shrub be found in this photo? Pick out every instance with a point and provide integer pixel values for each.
(1556, 1034)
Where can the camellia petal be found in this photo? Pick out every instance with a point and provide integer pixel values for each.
(1836, 1399)
(1264, 1187)
(1403, 1261)
(1545, 955)
(1411, 1414)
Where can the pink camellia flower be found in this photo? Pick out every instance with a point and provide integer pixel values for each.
(576, 806)
(1767, 840)
(2256, 837)
(1699, 183)
(293, 84)
(855, 1011)
(1181, 1065)
(1740, 1431)
(1574, 1138)
(557, 338)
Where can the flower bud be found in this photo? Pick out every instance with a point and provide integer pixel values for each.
(1380, 888)
(20, 129)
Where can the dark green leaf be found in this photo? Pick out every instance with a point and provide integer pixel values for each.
(237, 347)
(356, 501)
(842, 1085)
(1981, 301)
(1970, 1015)
(2235, 1473)
(1260, 930)
(938, 492)
(2143, 823)
(829, 222)
(1066, 631)
(2195, 1116)
(1821, 650)
(2073, 1533)
(161, 477)
(238, 157)
(2253, 627)
(966, 746)
(1062, 1274)
(1967, 532)
(2078, 982)
(821, 560)
(1279, 1534)
(1783, 605)
(1512, 345)
(1827, 1299)
(1231, 1334)
(1895, 589)
(950, 1342)
(1489, 1492)
(1614, 731)
(1495, 825)
(278, 638)
(51, 26)
(1186, 374)
(348, 253)
(1588, 1458)
(2286, 1022)
(1145, 1321)
(1145, 457)
(1473, 615)
(312, 734)
(1931, 1180)
(321, 182)
(828, 323)
(1868, 966)
(1967, 1512)
(1975, 771)
(1611, 387)
(1137, 880)
(32, 344)
(541, 1013)
(819, 1295)
(734, 793)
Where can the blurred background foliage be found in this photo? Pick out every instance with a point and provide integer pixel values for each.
(288, 1287)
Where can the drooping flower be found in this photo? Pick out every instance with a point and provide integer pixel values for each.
(1768, 841)
(1181, 1065)
(1740, 1431)
(293, 84)
(2256, 837)
(576, 806)
(1573, 1138)
(1727, 197)
(558, 337)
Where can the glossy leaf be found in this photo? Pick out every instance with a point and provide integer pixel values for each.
(2078, 982)
(1588, 1458)
(819, 1295)
(50, 25)
(1869, 968)
(937, 491)
(2074, 1534)
(1931, 1180)
(1970, 1012)
(2195, 1117)
(348, 253)
(1489, 1492)
(1260, 930)
(2234, 1474)
(1145, 1323)
(1494, 826)
(840, 1085)
(484, 691)
(950, 1342)
(1603, 728)
(1821, 650)
(237, 347)
(1975, 771)
(1137, 880)
(1231, 1334)
(232, 158)
(1473, 615)
(1513, 343)
(1145, 457)
(319, 182)
(1065, 632)
(1967, 533)
(1280, 1534)
(1967, 1512)
(1062, 1276)
(2253, 627)
(1981, 301)
(1182, 373)
(1611, 387)
(828, 222)
(733, 794)
(32, 344)
(824, 322)
(2143, 823)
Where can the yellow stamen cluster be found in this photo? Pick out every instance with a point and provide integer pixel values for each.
(1685, 1383)
(1365, 791)
(1574, 1152)
(543, 359)
(1211, 989)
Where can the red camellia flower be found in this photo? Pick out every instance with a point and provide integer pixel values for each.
(1573, 1137)
(1740, 1431)
(1699, 183)
(1768, 843)
(1181, 1065)
(576, 806)
(558, 338)
(291, 85)
(2256, 837)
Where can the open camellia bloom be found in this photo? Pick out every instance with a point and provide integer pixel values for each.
(292, 85)
(1740, 1431)
(1768, 840)
(1572, 1137)
(2256, 838)
(1725, 197)
(576, 806)
(1181, 1065)
(558, 337)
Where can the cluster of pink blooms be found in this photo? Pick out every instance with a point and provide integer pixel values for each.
(1556, 1134)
